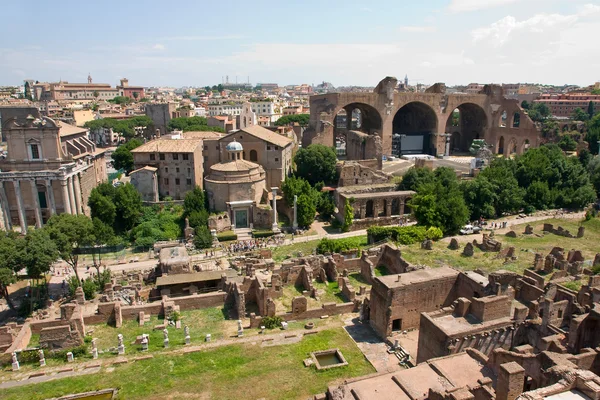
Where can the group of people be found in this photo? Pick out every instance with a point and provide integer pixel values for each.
(493, 225)
(254, 244)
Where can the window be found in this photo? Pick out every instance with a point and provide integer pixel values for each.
(161, 156)
(177, 181)
(35, 152)
(268, 147)
(276, 159)
(186, 156)
(189, 171)
(188, 182)
(152, 157)
(175, 156)
(217, 147)
(166, 181)
(177, 170)
(276, 147)
(166, 169)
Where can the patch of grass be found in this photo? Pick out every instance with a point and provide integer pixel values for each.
(208, 320)
(280, 253)
(573, 285)
(331, 293)
(228, 372)
(525, 248)
(357, 280)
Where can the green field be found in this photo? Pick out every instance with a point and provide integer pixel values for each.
(246, 371)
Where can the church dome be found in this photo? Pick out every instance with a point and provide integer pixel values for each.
(234, 146)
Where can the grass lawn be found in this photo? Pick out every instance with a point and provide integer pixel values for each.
(331, 292)
(525, 246)
(280, 253)
(246, 371)
(209, 320)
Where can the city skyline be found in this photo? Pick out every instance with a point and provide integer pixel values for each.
(451, 41)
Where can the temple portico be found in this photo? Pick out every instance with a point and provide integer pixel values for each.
(30, 198)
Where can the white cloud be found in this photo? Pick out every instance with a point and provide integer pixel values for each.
(417, 29)
(158, 46)
(474, 5)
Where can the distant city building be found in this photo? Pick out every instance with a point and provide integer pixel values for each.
(563, 105)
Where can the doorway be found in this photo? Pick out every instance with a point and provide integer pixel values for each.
(241, 219)
(397, 325)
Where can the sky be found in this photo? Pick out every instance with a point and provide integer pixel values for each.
(199, 42)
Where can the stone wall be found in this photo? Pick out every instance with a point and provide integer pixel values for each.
(219, 222)
(490, 308)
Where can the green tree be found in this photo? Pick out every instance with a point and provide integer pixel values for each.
(539, 112)
(348, 215)
(10, 263)
(136, 95)
(567, 143)
(300, 119)
(194, 200)
(525, 105)
(70, 233)
(306, 211)
(593, 168)
(325, 205)
(295, 186)
(203, 238)
(480, 196)
(316, 163)
(441, 203)
(415, 177)
(584, 157)
(102, 203)
(590, 110)
(122, 157)
(39, 253)
(128, 203)
(580, 115)
(198, 219)
(538, 196)
(509, 196)
(121, 100)
(550, 129)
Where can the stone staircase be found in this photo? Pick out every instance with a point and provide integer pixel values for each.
(243, 234)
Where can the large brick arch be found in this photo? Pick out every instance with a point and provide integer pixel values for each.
(490, 102)
(473, 123)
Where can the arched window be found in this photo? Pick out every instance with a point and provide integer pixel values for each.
(516, 120)
(253, 155)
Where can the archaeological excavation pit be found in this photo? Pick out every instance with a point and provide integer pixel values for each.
(328, 359)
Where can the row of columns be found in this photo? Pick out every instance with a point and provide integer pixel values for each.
(71, 193)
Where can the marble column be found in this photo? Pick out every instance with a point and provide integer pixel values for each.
(72, 196)
(295, 223)
(77, 188)
(37, 208)
(275, 226)
(50, 197)
(20, 207)
(5, 208)
(363, 211)
(388, 208)
(65, 193)
(401, 207)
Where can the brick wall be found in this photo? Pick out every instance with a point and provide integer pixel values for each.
(490, 308)
(432, 340)
(22, 339)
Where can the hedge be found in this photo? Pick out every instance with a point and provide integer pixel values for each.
(262, 234)
(226, 236)
(339, 245)
(403, 234)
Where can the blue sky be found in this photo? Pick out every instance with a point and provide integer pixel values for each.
(346, 42)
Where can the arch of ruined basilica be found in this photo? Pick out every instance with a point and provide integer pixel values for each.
(432, 122)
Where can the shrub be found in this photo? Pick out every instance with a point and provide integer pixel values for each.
(203, 238)
(62, 354)
(262, 234)
(338, 245)
(89, 288)
(402, 234)
(434, 233)
(226, 236)
(271, 322)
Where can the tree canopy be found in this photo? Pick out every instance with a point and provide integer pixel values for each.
(301, 119)
(187, 124)
(122, 157)
(579, 115)
(539, 112)
(316, 163)
(125, 127)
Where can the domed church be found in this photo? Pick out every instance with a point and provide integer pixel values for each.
(238, 186)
